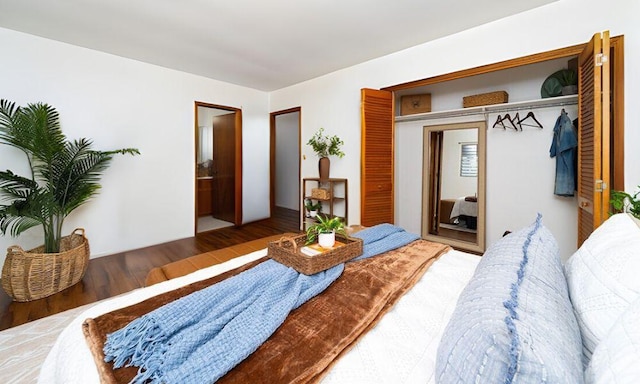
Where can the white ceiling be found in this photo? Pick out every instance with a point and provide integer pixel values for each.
(262, 44)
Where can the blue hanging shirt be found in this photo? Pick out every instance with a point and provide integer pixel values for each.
(563, 148)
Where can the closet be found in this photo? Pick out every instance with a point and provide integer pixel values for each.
(601, 165)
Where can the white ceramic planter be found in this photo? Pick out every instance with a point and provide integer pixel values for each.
(326, 240)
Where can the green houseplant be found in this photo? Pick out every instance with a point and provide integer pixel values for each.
(63, 175)
(625, 202)
(562, 82)
(312, 208)
(325, 225)
(325, 146)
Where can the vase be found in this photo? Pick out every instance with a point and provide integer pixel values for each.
(326, 240)
(323, 168)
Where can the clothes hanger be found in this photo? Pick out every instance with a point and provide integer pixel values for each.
(515, 121)
(508, 118)
(500, 122)
(530, 115)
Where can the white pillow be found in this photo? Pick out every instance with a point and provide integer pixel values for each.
(616, 358)
(603, 278)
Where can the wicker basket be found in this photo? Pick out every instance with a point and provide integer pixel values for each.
(33, 275)
(497, 97)
(286, 251)
(320, 194)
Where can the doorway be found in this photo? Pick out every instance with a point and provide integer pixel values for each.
(284, 191)
(218, 167)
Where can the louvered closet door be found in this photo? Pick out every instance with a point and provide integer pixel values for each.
(593, 136)
(376, 184)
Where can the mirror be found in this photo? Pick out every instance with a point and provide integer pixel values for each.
(453, 202)
(205, 151)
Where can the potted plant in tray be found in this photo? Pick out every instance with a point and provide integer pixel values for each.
(325, 146)
(63, 175)
(324, 230)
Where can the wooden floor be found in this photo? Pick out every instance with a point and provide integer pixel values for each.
(458, 235)
(115, 274)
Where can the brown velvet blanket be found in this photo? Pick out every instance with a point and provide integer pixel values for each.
(311, 339)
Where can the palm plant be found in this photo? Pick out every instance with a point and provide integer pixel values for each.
(64, 174)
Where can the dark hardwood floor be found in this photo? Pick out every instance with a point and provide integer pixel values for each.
(115, 274)
(458, 235)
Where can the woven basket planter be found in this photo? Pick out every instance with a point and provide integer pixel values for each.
(32, 275)
(287, 251)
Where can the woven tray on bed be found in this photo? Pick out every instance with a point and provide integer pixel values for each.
(287, 251)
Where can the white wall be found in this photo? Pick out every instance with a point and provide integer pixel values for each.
(120, 103)
(117, 102)
(287, 162)
(333, 101)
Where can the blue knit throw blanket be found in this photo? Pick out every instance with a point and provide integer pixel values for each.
(200, 337)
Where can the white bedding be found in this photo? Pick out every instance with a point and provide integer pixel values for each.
(400, 349)
(463, 207)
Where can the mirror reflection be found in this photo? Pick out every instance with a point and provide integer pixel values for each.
(205, 151)
(453, 202)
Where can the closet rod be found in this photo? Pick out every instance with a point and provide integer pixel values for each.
(497, 108)
(520, 108)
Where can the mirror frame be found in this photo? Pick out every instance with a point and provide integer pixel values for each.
(428, 180)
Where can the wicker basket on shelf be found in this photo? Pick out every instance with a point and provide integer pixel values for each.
(497, 97)
(32, 275)
(320, 193)
(287, 251)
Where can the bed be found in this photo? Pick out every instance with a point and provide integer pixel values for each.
(465, 209)
(460, 211)
(515, 314)
(448, 275)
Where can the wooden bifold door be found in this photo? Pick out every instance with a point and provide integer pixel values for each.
(377, 146)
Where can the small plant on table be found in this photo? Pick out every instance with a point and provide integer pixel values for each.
(325, 225)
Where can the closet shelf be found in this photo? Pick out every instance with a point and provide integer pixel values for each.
(505, 107)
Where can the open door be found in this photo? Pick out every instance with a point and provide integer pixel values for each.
(218, 166)
(593, 135)
(377, 157)
(223, 191)
(284, 160)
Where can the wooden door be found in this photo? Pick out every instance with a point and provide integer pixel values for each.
(204, 197)
(377, 157)
(224, 171)
(435, 187)
(593, 135)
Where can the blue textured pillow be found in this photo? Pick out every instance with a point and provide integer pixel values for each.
(513, 322)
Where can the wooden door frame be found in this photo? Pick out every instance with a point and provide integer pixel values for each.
(432, 184)
(238, 160)
(272, 154)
